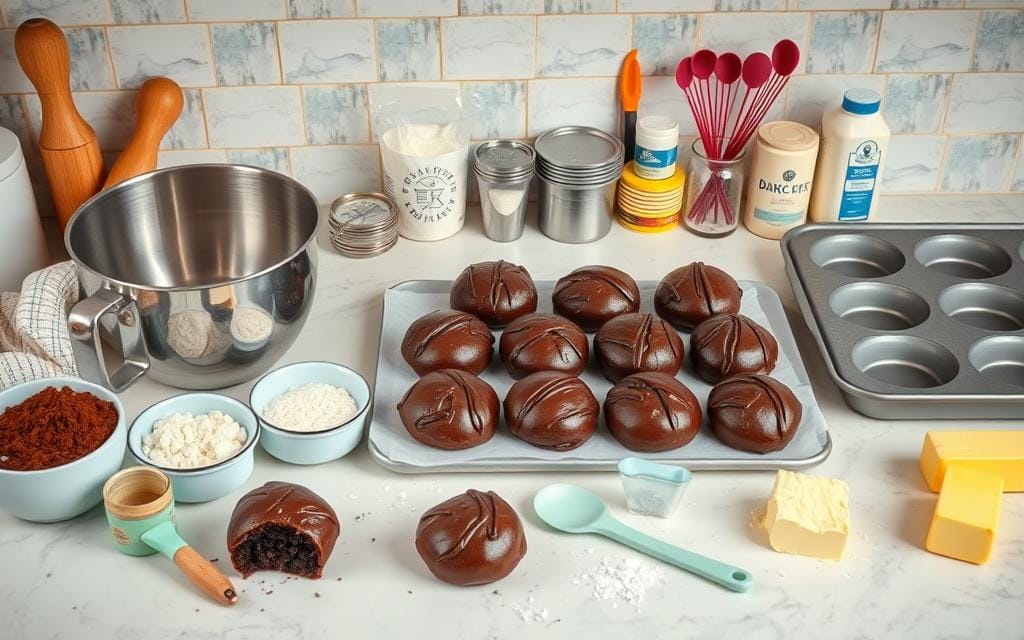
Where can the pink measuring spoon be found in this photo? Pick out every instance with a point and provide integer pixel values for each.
(727, 72)
(785, 59)
(703, 68)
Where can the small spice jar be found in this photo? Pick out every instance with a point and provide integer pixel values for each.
(781, 173)
(657, 145)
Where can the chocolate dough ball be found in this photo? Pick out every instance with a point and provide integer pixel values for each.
(473, 538)
(448, 340)
(754, 413)
(282, 527)
(450, 409)
(652, 412)
(690, 295)
(543, 342)
(637, 342)
(552, 410)
(591, 296)
(496, 292)
(729, 345)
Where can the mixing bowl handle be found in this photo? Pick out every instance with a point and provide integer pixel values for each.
(83, 325)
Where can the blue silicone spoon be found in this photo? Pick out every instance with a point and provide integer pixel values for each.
(573, 509)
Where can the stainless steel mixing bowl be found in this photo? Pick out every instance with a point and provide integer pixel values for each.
(205, 273)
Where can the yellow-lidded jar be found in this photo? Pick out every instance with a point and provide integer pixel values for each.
(781, 174)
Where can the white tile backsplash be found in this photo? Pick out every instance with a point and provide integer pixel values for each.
(986, 102)
(745, 33)
(488, 48)
(926, 41)
(979, 163)
(147, 11)
(327, 51)
(334, 170)
(268, 81)
(553, 102)
(245, 53)
(913, 163)
(663, 40)
(581, 45)
(254, 116)
(208, 10)
(176, 157)
(179, 52)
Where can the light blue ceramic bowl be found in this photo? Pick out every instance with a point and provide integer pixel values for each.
(319, 446)
(200, 484)
(60, 493)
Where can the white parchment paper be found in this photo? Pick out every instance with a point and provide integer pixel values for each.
(504, 452)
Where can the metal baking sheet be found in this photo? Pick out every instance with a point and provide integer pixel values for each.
(925, 322)
(391, 446)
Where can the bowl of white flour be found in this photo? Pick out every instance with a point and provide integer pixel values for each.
(311, 412)
(203, 441)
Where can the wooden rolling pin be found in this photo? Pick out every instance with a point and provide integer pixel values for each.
(159, 104)
(71, 153)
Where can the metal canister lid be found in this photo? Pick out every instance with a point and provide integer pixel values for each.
(579, 148)
(787, 136)
(504, 156)
(363, 224)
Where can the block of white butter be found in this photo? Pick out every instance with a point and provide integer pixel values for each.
(967, 514)
(808, 515)
(997, 452)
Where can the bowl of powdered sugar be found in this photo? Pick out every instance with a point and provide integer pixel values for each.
(203, 441)
(311, 412)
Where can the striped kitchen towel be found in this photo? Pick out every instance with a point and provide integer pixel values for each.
(34, 339)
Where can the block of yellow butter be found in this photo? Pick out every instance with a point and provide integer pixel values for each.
(966, 515)
(808, 515)
(998, 452)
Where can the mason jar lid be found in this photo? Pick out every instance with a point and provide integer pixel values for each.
(504, 157)
(787, 136)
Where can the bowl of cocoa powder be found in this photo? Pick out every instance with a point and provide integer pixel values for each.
(60, 439)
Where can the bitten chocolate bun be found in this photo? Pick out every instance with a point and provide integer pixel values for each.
(690, 295)
(496, 292)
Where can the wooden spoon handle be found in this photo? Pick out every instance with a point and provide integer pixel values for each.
(158, 106)
(204, 575)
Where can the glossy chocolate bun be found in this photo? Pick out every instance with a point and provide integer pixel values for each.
(591, 296)
(729, 345)
(543, 342)
(450, 409)
(754, 413)
(637, 342)
(448, 340)
(473, 538)
(282, 527)
(552, 410)
(652, 412)
(496, 292)
(690, 295)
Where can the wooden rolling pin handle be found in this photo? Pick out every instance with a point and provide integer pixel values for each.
(158, 106)
(204, 575)
(43, 55)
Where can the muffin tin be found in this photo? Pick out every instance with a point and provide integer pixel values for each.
(391, 446)
(916, 320)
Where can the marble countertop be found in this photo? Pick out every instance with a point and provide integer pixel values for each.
(65, 580)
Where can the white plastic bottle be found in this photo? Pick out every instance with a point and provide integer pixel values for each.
(854, 146)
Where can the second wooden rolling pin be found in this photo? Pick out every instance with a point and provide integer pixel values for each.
(158, 105)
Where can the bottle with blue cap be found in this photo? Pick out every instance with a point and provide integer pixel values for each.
(851, 158)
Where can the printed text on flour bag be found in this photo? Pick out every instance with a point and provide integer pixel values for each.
(428, 193)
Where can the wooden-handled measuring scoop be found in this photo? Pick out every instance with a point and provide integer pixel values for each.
(71, 154)
(140, 510)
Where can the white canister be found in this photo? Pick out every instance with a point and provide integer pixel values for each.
(657, 144)
(429, 185)
(22, 245)
(854, 146)
(779, 183)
